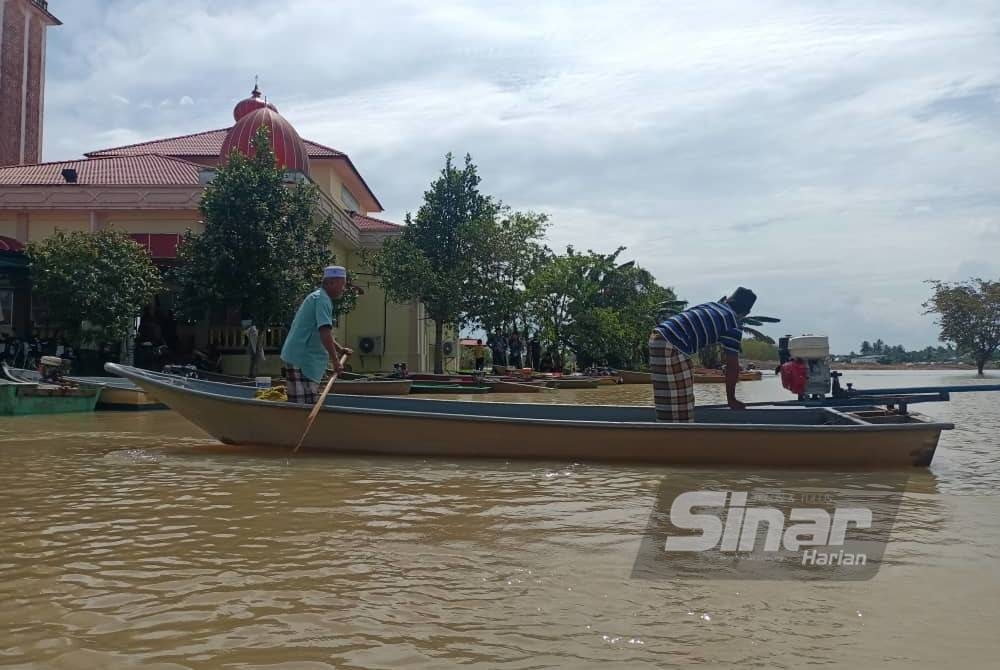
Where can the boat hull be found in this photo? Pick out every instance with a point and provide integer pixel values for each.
(409, 426)
(21, 399)
(129, 400)
(633, 377)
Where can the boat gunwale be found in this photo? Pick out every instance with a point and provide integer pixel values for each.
(160, 380)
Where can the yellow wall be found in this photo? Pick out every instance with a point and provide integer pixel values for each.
(8, 226)
(331, 184)
(327, 180)
(152, 222)
(42, 225)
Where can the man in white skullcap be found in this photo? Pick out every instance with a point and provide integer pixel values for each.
(310, 344)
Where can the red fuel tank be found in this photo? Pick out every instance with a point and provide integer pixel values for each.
(794, 375)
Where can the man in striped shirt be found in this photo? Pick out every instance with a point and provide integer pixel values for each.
(674, 341)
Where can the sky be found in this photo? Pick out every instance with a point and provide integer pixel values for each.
(830, 155)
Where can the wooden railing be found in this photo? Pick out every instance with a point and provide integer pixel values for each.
(231, 337)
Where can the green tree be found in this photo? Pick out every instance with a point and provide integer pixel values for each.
(433, 260)
(554, 293)
(969, 316)
(264, 245)
(101, 278)
(507, 252)
(633, 293)
(760, 350)
(596, 307)
(866, 348)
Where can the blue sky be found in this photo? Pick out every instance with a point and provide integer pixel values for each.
(830, 155)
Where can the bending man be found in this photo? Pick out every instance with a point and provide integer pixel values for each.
(676, 340)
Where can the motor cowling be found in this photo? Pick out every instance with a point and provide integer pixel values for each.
(806, 373)
(794, 375)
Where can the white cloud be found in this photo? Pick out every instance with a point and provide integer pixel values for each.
(833, 157)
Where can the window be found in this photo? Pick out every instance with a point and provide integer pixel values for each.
(349, 202)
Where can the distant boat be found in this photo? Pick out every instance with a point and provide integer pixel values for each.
(19, 397)
(634, 377)
(115, 393)
(506, 386)
(570, 382)
(814, 437)
(446, 387)
(354, 386)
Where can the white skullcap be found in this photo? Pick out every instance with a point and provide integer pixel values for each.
(335, 271)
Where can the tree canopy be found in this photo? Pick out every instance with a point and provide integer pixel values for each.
(507, 251)
(102, 278)
(969, 316)
(434, 259)
(598, 308)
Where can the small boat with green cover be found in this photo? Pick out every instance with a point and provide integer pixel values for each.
(22, 398)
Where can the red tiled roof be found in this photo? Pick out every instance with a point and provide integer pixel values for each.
(373, 224)
(207, 143)
(141, 170)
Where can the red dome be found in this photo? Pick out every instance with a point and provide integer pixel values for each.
(289, 151)
(254, 102)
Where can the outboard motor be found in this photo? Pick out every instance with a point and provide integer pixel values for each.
(52, 369)
(807, 372)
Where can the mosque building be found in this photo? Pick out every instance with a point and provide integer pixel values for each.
(151, 190)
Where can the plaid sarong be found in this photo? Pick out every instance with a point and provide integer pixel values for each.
(673, 380)
(300, 389)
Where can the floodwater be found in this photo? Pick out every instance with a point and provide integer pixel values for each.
(133, 540)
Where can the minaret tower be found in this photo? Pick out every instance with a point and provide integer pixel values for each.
(23, 24)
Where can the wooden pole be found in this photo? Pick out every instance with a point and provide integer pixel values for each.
(319, 404)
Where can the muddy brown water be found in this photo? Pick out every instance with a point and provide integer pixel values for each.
(133, 540)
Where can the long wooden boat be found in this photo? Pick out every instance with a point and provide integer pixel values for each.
(24, 398)
(507, 386)
(115, 393)
(634, 377)
(786, 436)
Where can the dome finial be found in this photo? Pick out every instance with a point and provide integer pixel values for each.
(257, 100)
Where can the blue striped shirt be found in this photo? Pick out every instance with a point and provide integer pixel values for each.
(702, 325)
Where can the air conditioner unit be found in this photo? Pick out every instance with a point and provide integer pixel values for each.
(449, 348)
(370, 345)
